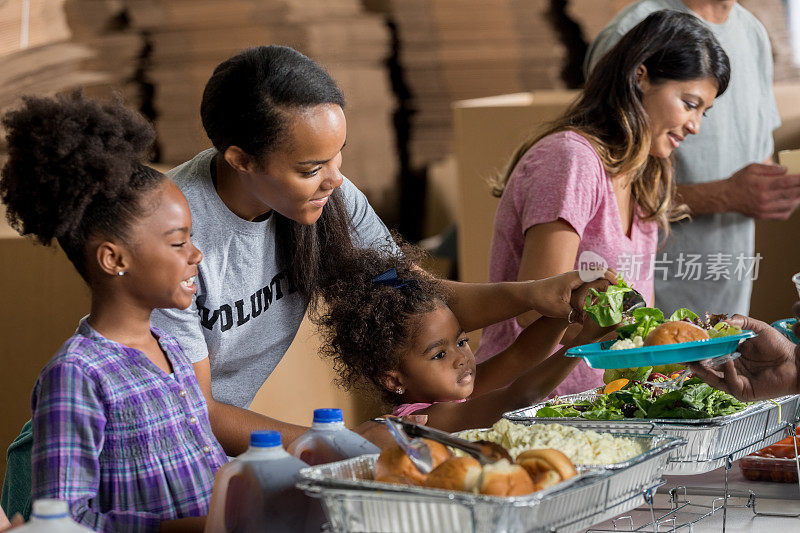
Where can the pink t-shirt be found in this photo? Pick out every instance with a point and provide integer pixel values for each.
(411, 408)
(562, 177)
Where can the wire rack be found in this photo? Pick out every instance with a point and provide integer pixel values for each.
(683, 514)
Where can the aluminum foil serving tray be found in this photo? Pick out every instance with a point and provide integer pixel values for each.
(353, 502)
(709, 441)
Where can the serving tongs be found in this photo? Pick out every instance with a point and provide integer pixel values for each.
(631, 300)
(419, 452)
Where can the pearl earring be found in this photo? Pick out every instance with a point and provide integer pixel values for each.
(121, 273)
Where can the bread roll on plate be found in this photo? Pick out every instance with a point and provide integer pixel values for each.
(505, 479)
(457, 473)
(394, 466)
(546, 467)
(674, 332)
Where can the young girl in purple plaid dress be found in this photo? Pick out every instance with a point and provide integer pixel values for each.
(120, 425)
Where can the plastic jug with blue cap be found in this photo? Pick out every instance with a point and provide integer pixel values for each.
(51, 516)
(329, 440)
(256, 492)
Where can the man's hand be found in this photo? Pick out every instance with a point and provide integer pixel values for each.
(379, 435)
(768, 367)
(796, 325)
(763, 191)
(552, 296)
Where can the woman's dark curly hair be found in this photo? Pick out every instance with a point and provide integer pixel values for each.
(366, 325)
(74, 171)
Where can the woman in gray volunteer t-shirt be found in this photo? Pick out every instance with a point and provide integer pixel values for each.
(272, 213)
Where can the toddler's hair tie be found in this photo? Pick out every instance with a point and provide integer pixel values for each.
(390, 279)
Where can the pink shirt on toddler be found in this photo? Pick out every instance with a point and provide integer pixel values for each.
(562, 177)
(411, 408)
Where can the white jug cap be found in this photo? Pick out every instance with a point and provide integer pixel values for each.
(49, 508)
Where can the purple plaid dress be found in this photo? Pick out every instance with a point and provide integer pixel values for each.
(126, 444)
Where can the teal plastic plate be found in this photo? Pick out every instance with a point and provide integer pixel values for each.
(597, 355)
(784, 325)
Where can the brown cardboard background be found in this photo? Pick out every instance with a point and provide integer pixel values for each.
(487, 131)
(779, 242)
(43, 298)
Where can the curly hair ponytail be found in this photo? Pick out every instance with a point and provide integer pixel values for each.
(75, 170)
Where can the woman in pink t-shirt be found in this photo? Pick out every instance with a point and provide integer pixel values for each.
(596, 185)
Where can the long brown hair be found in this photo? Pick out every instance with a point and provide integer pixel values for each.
(609, 112)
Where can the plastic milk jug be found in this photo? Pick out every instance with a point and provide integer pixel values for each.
(328, 440)
(51, 516)
(256, 492)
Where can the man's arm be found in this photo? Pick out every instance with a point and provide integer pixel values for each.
(232, 425)
(762, 191)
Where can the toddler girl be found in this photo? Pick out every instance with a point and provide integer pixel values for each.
(387, 323)
(120, 425)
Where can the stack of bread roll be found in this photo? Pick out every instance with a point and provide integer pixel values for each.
(533, 470)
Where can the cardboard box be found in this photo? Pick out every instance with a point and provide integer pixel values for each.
(773, 291)
(454, 50)
(791, 160)
(46, 299)
(487, 131)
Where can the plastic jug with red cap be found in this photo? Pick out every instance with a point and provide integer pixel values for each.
(256, 492)
(329, 440)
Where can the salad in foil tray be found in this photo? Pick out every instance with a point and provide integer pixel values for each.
(639, 398)
(635, 392)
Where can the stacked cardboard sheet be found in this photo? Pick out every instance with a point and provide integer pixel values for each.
(189, 38)
(459, 49)
(36, 55)
(32, 23)
(101, 25)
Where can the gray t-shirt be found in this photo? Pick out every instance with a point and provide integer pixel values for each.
(245, 314)
(708, 263)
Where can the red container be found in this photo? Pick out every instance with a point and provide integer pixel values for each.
(773, 463)
(788, 440)
(757, 468)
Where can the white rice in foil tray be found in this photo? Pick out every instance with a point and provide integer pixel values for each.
(583, 447)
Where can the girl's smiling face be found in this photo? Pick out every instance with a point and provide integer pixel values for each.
(438, 365)
(162, 261)
(675, 110)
